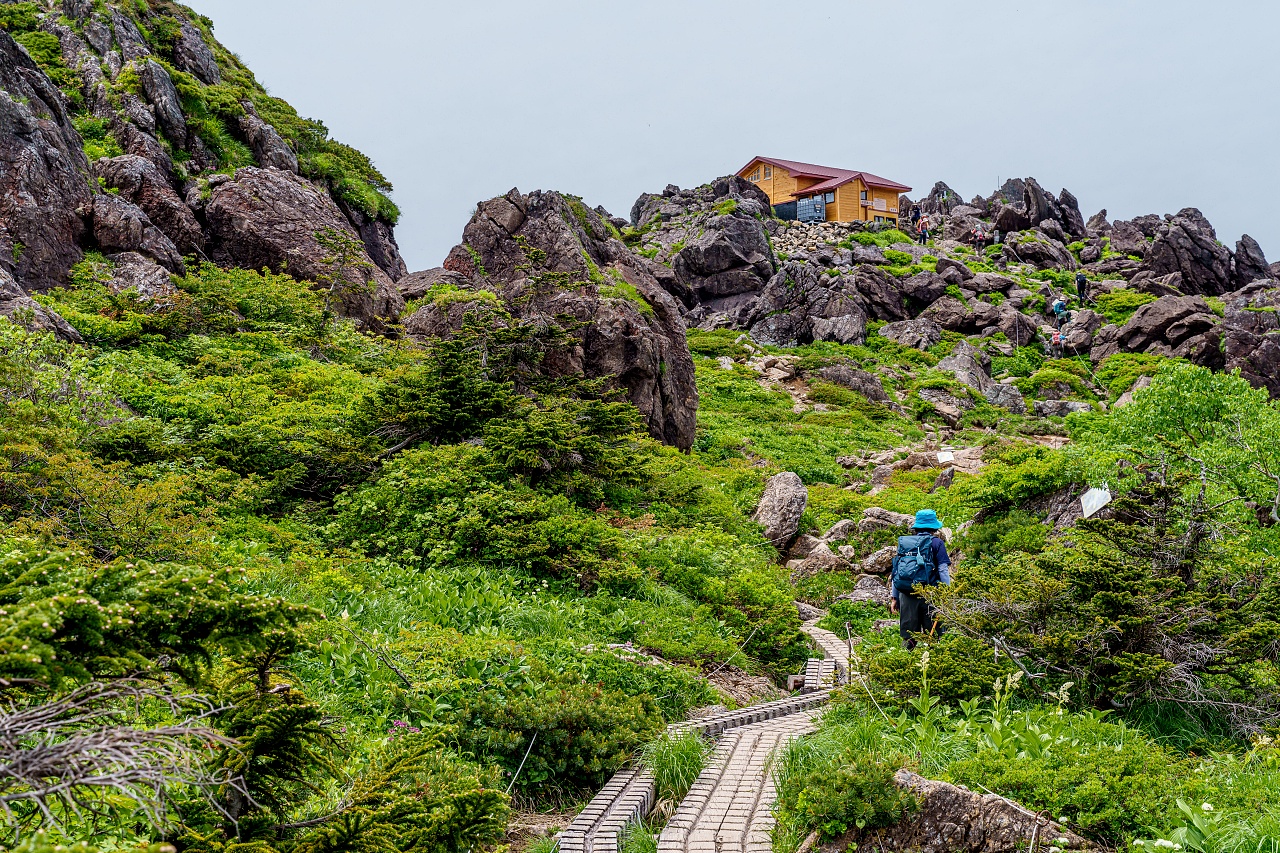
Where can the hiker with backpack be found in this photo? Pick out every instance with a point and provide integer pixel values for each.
(923, 230)
(921, 561)
(1082, 288)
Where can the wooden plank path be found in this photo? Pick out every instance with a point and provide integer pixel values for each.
(729, 809)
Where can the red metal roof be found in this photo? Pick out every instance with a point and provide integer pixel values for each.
(831, 178)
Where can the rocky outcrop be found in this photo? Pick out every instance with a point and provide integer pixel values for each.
(549, 259)
(1249, 263)
(44, 187)
(860, 381)
(971, 366)
(1252, 334)
(1187, 244)
(17, 307)
(1173, 326)
(270, 218)
(780, 508)
(269, 148)
(953, 819)
(163, 96)
(139, 181)
(122, 226)
(192, 54)
(920, 333)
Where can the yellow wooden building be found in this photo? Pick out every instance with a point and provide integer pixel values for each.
(808, 192)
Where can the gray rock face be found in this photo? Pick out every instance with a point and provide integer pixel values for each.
(640, 348)
(121, 226)
(920, 333)
(970, 366)
(132, 45)
(160, 92)
(953, 819)
(17, 307)
(860, 381)
(1249, 264)
(1252, 334)
(43, 190)
(1069, 211)
(780, 508)
(269, 148)
(141, 275)
(1077, 336)
(978, 316)
(731, 256)
(1098, 225)
(1059, 408)
(192, 55)
(140, 182)
(379, 240)
(270, 218)
(1187, 244)
(801, 304)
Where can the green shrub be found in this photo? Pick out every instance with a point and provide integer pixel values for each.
(960, 668)
(858, 614)
(1118, 305)
(623, 289)
(836, 781)
(898, 258)
(1118, 373)
(1005, 533)
(584, 733)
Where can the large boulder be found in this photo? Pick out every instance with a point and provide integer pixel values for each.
(780, 508)
(953, 819)
(1251, 338)
(17, 307)
(730, 256)
(1249, 263)
(271, 218)
(866, 384)
(44, 186)
(920, 333)
(1188, 244)
(1173, 326)
(139, 181)
(121, 226)
(551, 260)
(970, 366)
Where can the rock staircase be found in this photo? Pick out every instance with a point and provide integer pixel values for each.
(729, 809)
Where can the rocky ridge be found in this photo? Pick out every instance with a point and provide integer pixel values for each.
(154, 140)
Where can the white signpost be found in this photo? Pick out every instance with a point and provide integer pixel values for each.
(1094, 500)
(945, 456)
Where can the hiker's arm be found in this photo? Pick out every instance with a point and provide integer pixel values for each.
(944, 562)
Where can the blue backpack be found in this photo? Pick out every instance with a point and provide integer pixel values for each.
(913, 564)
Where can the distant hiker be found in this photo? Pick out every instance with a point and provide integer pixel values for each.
(1061, 315)
(1082, 288)
(1055, 345)
(923, 231)
(921, 560)
(979, 238)
(915, 214)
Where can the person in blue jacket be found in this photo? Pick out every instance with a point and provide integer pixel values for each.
(917, 616)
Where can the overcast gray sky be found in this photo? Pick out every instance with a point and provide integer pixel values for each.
(1138, 107)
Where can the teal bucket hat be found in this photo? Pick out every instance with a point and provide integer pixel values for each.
(927, 519)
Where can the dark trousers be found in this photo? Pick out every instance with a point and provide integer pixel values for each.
(916, 616)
